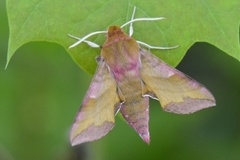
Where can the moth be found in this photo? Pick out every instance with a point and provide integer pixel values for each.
(126, 76)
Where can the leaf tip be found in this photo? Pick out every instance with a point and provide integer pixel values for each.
(8, 60)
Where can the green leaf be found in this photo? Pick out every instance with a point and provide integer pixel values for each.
(187, 22)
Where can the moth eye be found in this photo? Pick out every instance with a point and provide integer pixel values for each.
(98, 58)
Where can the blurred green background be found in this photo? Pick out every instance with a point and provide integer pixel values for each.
(41, 90)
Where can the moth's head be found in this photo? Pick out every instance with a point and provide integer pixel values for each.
(114, 30)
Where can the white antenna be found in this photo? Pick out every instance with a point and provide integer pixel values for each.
(91, 44)
(87, 36)
(131, 25)
(94, 45)
(143, 19)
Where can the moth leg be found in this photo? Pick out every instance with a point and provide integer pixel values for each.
(120, 99)
(118, 105)
(120, 95)
(147, 92)
(155, 47)
(91, 44)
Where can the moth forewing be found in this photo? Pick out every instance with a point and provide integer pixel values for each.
(96, 115)
(176, 92)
